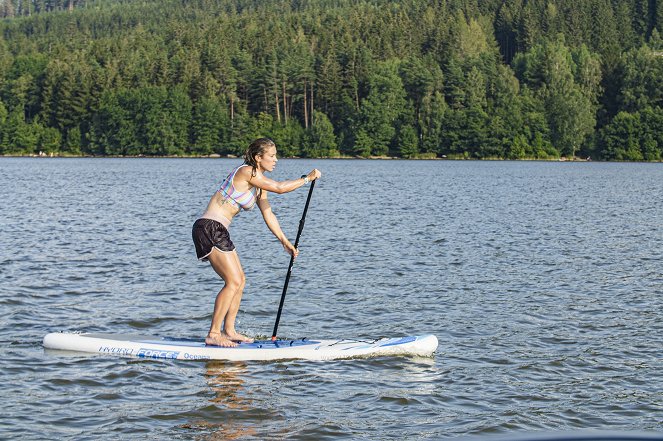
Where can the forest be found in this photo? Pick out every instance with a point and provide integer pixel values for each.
(458, 79)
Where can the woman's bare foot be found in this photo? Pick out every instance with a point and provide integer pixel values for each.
(219, 339)
(236, 336)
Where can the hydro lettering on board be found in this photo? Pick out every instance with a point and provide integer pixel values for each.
(115, 350)
(156, 353)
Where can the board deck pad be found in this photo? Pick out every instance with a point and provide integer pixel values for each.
(146, 346)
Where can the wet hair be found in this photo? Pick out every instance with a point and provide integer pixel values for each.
(257, 148)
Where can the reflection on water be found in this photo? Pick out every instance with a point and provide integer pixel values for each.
(225, 380)
(224, 420)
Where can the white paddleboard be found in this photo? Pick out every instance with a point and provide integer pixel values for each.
(145, 346)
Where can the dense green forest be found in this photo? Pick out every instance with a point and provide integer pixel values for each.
(411, 78)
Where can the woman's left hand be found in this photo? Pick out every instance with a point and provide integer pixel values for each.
(290, 248)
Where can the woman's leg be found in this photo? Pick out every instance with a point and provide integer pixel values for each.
(229, 322)
(228, 268)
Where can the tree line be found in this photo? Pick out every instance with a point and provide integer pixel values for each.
(25, 8)
(446, 78)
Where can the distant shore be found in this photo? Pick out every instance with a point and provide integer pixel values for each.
(422, 157)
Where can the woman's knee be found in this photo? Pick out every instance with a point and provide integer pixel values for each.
(236, 282)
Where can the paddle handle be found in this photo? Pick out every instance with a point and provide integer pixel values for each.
(292, 261)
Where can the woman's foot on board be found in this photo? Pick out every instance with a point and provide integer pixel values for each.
(219, 339)
(236, 336)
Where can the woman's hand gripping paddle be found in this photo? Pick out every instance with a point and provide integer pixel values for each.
(292, 260)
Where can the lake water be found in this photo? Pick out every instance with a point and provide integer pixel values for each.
(543, 282)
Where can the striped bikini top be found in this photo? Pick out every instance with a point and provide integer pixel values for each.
(240, 199)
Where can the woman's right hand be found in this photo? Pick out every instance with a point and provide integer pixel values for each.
(314, 174)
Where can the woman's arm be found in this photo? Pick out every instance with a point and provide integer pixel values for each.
(263, 182)
(273, 224)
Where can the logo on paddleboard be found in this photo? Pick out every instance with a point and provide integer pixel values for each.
(156, 353)
(116, 350)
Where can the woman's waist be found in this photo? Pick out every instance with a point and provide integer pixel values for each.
(217, 215)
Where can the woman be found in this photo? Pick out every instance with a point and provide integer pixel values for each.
(244, 187)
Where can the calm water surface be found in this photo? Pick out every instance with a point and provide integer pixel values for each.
(542, 281)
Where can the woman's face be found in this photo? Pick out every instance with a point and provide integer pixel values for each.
(267, 161)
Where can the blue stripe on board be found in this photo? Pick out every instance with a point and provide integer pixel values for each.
(399, 341)
(258, 344)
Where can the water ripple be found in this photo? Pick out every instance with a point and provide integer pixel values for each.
(542, 282)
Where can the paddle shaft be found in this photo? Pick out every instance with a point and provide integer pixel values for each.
(292, 260)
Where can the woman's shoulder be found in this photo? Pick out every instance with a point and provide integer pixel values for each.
(245, 172)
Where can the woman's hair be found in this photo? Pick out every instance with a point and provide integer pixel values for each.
(256, 148)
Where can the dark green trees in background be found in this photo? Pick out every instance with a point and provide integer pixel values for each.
(151, 120)
(375, 124)
(567, 83)
(635, 132)
(474, 79)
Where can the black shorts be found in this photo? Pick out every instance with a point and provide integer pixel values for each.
(208, 234)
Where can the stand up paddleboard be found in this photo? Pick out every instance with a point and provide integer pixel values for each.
(196, 349)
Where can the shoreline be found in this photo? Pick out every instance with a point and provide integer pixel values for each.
(422, 157)
(369, 158)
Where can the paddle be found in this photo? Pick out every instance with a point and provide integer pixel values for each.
(292, 260)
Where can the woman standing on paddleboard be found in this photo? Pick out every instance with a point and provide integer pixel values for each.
(244, 187)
